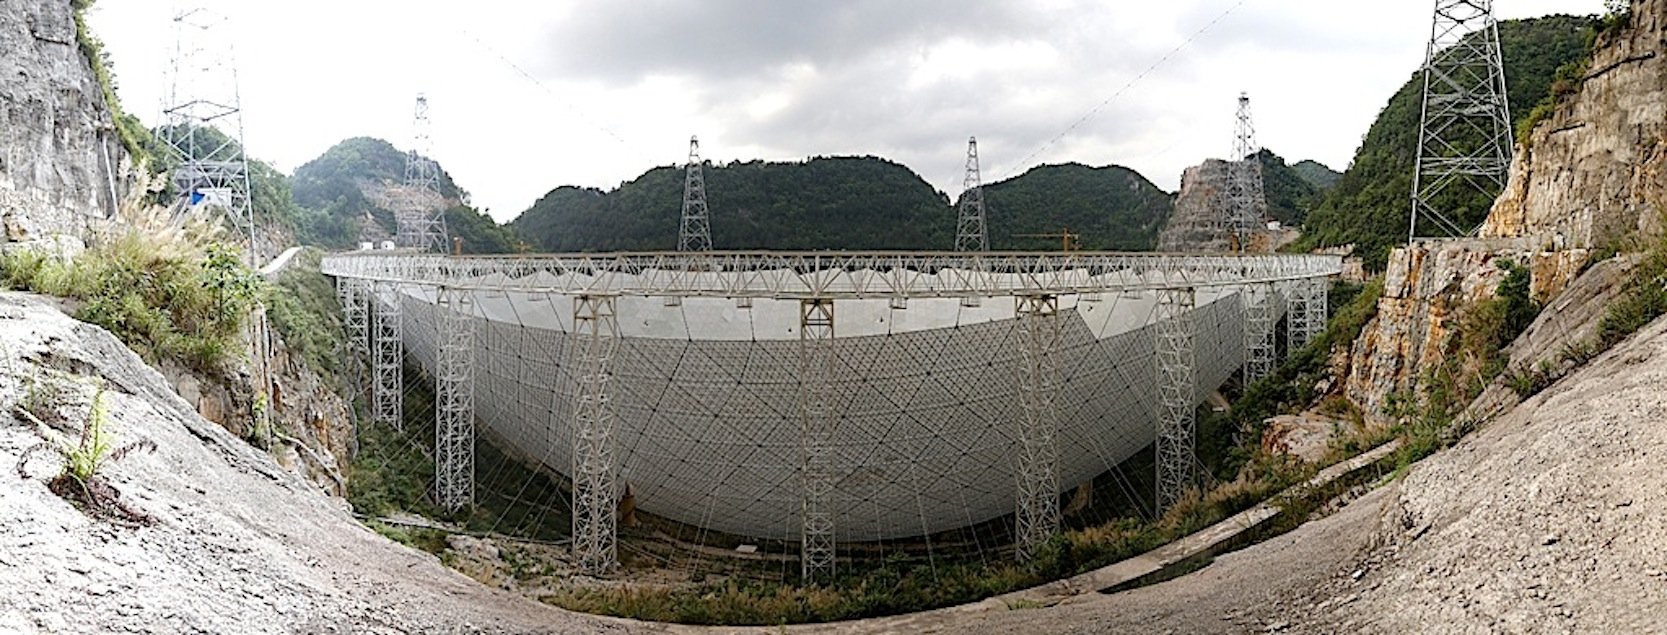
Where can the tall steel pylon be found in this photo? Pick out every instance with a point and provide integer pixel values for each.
(202, 121)
(1464, 131)
(454, 400)
(1259, 311)
(970, 232)
(596, 329)
(694, 232)
(419, 208)
(816, 421)
(387, 356)
(1036, 516)
(1245, 205)
(1177, 394)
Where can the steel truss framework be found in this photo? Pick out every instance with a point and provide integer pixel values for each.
(1176, 367)
(203, 120)
(831, 275)
(694, 231)
(594, 486)
(1307, 315)
(454, 402)
(354, 296)
(388, 384)
(970, 232)
(1246, 205)
(1036, 516)
(816, 359)
(419, 209)
(1464, 135)
(1259, 317)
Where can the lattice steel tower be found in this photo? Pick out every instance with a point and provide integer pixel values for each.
(1464, 133)
(970, 234)
(1245, 205)
(419, 208)
(694, 233)
(202, 121)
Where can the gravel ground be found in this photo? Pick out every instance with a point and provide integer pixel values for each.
(1550, 519)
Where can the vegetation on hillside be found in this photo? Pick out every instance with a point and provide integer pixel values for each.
(332, 189)
(1316, 174)
(1290, 195)
(302, 306)
(1110, 208)
(1370, 204)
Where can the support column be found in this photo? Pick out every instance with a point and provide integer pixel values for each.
(1306, 315)
(816, 422)
(354, 296)
(1036, 514)
(1177, 396)
(388, 385)
(597, 333)
(454, 401)
(1258, 331)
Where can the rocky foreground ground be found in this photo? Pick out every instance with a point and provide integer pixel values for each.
(1553, 518)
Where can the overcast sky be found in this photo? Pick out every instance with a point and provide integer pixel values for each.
(526, 96)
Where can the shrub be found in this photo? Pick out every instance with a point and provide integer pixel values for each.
(83, 461)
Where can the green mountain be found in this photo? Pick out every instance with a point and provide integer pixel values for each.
(340, 187)
(1317, 174)
(823, 203)
(1290, 196)
(1370, 203)
(1111, 208)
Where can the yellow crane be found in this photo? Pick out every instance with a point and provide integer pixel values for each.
(1067, 240)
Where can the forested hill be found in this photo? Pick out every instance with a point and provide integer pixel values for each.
(341, 186)
(1111, 208)
(1369, 206)
(1290, 194)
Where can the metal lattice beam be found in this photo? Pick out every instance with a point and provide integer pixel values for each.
(816, 420)
(970, 233)
(1177, 394)
(202, 121)
(1259, 317)
(833, 275)
(694, 232)
(1036, 517)
(418, 206)
(388, 353)
(1307, 316)
(454, 402)
(1464, 135)
(354, 296)
(594, 522)
(1245, 204)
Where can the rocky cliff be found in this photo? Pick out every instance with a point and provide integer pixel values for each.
(60, 157)
(1591, 174)
(1195, 226)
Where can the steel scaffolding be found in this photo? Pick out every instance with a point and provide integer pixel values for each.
(1036, 517)
(355, 303)
(1307, 316)
(1464, 135)
(1245, 203)
(694, 232)
(1259, 315)
(454, 401)
(388, 384)
(816, 421)
(1176, 364)
(418, 206)
(596, 328)
(970, 232)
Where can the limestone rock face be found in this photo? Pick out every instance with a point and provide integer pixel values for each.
(60, 156)
(1597, 168)
(1195, 225)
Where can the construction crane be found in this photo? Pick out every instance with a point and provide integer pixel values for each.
(1067, 240)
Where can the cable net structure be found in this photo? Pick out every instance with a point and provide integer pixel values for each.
(814, 408)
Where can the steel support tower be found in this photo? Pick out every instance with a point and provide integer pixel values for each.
(388, 384)
(1258, 301)
(355, 301)
(1245, 204)
(816, 430)
(596, 329)
(1464, 133)
(970, 232)
(1306, 315)
(202, 122)
(694, 232)
(1036, 517)
(1177, 394)
(419, 208)
(454, 401)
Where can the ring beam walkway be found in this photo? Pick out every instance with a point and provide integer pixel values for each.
(960, 386)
